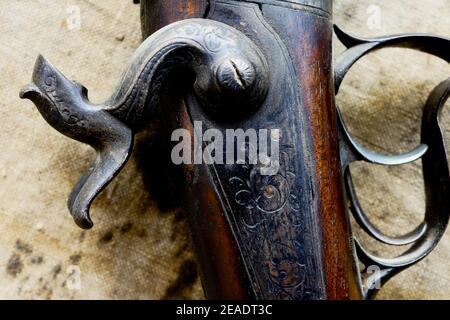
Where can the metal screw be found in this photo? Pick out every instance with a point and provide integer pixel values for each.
(236, 75)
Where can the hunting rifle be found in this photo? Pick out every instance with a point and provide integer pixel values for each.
(259, 64)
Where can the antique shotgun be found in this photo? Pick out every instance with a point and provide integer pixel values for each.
(256, 65)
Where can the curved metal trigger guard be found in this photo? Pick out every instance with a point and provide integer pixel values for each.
(231, 74)
(432, 151)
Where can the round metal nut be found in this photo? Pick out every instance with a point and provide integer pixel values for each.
(236, 75)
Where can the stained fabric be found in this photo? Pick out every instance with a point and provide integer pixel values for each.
(139, 246)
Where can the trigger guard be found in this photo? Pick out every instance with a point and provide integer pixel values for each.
(432, 151)
(364, 222)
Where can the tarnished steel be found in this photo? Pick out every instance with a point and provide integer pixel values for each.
(262, 228)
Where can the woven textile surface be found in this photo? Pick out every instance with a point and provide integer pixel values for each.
(140, 247)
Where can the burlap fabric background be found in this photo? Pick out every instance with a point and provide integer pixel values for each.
(139, 247)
